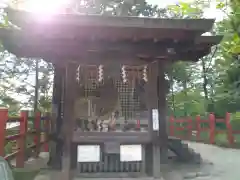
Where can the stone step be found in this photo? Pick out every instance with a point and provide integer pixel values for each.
(183, 152)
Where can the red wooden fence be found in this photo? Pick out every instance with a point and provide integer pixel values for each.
(193, 128)
(38, 133)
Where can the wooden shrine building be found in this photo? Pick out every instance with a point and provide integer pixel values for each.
(76, 43)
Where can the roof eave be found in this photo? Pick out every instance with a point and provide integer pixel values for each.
(24, 18)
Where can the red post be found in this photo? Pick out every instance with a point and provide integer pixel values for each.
(229, 129)
(46, 127)
(3, 121)
(138, 126)
(171, 126)
(198, 127)
(37, 127)
(21, 142)
(212, 128)
(190, 128)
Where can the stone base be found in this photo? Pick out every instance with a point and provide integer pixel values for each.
(183, 152)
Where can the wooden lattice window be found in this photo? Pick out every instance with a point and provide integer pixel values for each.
(129, 101)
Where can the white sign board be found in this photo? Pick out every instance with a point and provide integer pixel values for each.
(155, 120)
(88, 153)
(130, 152)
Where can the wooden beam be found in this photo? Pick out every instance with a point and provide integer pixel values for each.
(212, 40)
(120, 137)
(108, 49)
(23, 36)
(23, 39)
(100, 34)
(22, 45)
(125, 59)
(88, 58)
(83, 52)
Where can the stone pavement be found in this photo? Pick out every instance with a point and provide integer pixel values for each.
(219, 164)
(33, 164)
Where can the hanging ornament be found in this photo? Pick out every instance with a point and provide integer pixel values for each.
(124, 74)
(145, 78)
(78, 74)
(100, 73)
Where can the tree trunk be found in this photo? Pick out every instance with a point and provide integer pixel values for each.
(205, 81)
(36, 87)
(185, 97)
(173, 97)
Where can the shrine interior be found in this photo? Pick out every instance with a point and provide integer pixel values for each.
(111, 101)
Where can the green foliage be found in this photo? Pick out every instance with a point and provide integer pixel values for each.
(186, 10)
(193, 104)
(8, 147)
(235, 120)
(23, 174)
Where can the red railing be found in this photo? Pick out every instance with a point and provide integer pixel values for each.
(194, 127)
(22, 134)
(38, 131)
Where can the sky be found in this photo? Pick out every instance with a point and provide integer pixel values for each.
(163, 3)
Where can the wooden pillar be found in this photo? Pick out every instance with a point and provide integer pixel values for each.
(157, 154)
(67, 123)
(56, 119)
(68, 119)
(153, 151)
(162, 112)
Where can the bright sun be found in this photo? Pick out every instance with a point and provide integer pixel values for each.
(44, 6)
